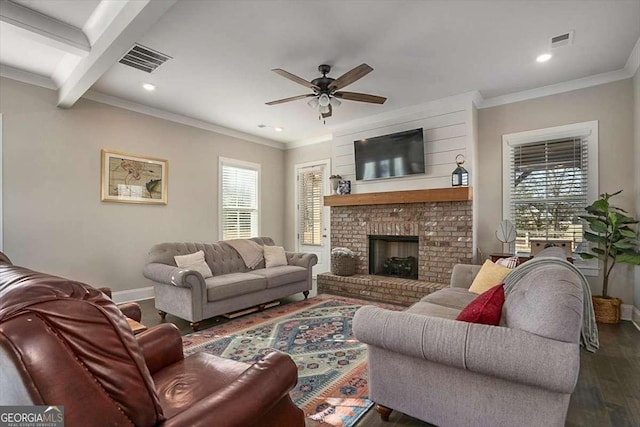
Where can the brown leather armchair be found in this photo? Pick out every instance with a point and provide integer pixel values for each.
(65, 343)
(129, 309)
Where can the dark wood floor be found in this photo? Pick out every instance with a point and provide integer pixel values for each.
(607, 394)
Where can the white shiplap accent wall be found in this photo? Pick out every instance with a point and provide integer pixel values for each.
(447, 133)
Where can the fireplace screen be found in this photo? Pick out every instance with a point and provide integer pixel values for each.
(394, 256)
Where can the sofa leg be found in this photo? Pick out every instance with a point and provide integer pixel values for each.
(195, 326)
(384, 412)
(163, 314)
(305, 293)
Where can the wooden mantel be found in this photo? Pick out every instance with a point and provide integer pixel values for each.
(451, 194)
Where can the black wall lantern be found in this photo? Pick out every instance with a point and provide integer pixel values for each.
(460, 176)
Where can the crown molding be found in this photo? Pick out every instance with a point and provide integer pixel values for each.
(633, 62)
(27, 77)
(178, 118)
(554, 89)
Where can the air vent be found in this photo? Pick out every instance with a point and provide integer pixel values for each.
(144, 58)
(562, 40)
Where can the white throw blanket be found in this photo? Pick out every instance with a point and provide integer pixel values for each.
(250, 251)
(589, 336)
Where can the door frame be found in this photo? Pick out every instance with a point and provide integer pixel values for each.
(326, 213)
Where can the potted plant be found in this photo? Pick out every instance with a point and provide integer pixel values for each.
(335, 180)
(610, 229)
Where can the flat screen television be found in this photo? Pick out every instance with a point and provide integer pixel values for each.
(389, 156)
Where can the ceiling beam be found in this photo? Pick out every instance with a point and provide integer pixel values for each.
(130, 23)
(44, 29)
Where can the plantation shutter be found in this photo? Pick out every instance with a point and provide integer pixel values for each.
(310, 204)
(239, 202)
(548, 190)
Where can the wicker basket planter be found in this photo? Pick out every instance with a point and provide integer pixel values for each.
(343, 265)
(607, 309)
(343, 262)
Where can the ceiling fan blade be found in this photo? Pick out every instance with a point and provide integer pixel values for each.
(293, 98)
(328, 114)
(350, 76)
(360, 97)
(294, 78)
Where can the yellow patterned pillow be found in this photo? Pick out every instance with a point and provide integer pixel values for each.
(489, 276)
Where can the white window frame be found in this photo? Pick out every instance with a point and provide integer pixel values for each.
(226, 161)
(585, 130)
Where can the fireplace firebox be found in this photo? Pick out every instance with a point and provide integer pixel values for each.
(395, 256)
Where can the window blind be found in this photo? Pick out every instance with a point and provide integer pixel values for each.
(548, 190)
(310, 205)
(239, 202)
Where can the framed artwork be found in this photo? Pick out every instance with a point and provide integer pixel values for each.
(344, 187)
(128, 178)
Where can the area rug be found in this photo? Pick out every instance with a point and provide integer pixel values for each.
(332, 384)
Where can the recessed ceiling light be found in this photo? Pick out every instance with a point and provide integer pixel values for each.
(149, 87)
(544, 57)
(278, 129)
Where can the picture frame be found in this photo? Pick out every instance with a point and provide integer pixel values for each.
(344, 187)
(129, 178)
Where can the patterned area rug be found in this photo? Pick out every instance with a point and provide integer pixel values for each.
(332, 384)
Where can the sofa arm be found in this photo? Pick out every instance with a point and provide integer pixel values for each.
(519, 356)
(510, 354)
(161, 346)
(170, 275)
(131, 310)
(266, 382)
(306, 260)
(462, 275)
(431, 338)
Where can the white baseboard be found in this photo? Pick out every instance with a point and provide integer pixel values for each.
(133, 295)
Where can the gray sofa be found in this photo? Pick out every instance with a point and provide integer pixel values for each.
(424, 363)
(185, 294)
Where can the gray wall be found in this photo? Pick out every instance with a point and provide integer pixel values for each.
(612, 105)
(54, 220)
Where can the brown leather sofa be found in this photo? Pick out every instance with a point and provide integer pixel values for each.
(65, 343)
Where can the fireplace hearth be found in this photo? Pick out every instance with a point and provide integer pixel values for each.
(395, 256)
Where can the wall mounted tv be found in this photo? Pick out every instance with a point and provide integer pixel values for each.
(389, 156)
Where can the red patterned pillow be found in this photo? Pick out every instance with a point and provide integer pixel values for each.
(486, 308)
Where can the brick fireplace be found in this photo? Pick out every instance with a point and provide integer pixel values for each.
(443, 229)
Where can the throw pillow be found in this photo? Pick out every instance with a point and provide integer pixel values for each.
(489, 275)
(486, 308)
(274, 256)
(194, 262)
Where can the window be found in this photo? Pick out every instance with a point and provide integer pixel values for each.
(239, 183)
(310, 204)
(550, 175)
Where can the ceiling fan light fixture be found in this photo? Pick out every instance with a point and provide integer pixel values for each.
(313, 103)
(326, 90)
(324, 100)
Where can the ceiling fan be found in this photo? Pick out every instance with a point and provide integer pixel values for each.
(326, 90)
